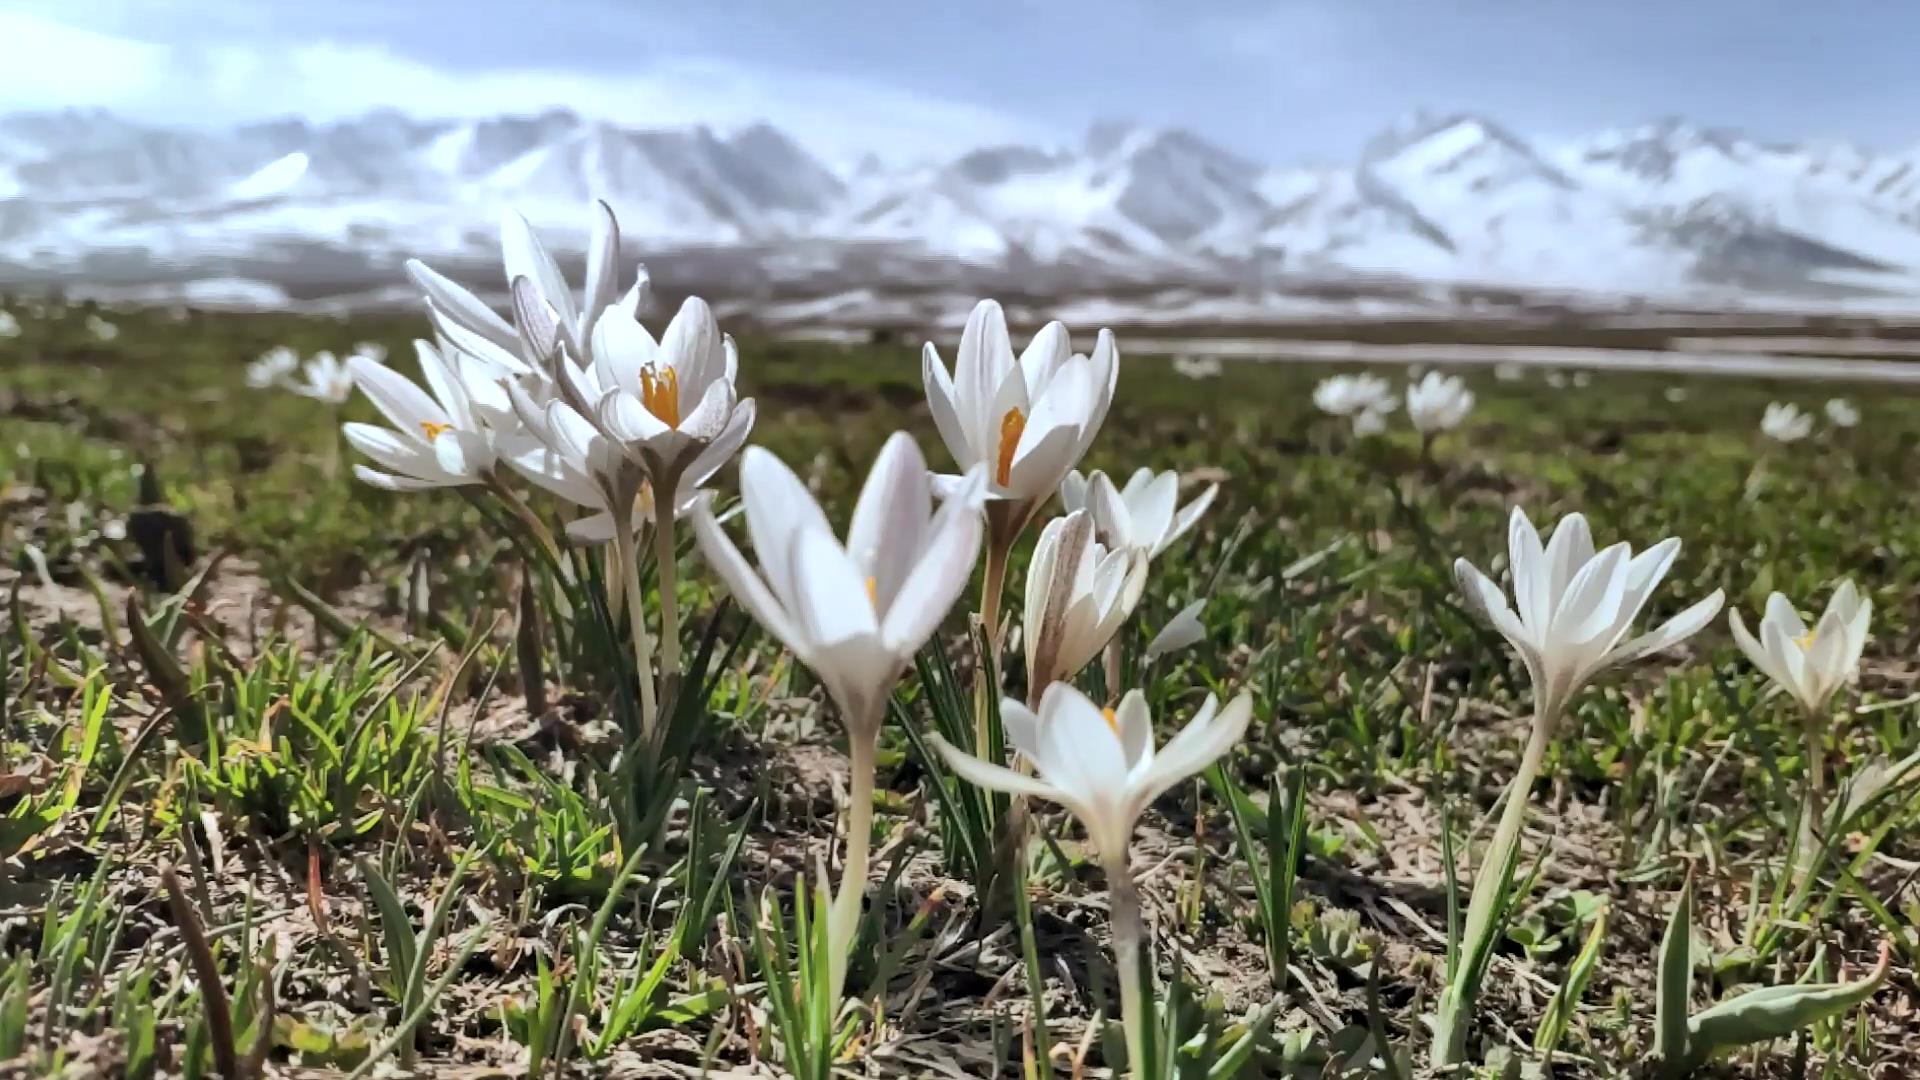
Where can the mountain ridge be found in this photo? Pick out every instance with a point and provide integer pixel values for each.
(1663, 209)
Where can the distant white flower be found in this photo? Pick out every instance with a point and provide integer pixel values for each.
(1144, 516)
(1809, 664)
(1556, 379)
(1676, 394)
(1842, 413)
(1101, 763)
(273, 367)
(1784, 422)
(9, 326)
(437, 439)
(1438, 402)
(856, 612)
(1370, 422)
(1581, 380)
(324, 377)
(1028, 420)
(101, 329)
(1198, 367)
(372, 350)
(1078, 594)
(1182, 631)
(1351, 395)
(1509, 371)
(1572, 608)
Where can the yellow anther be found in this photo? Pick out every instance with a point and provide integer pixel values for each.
(873, 593)
(1805, 641)
(1011, 427)
(434, 429)
(1112, 721)
(660, 393)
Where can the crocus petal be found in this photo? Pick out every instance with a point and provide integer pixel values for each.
(397, 398)
(603, 262)
(462, 306)
(1198, 745)
(994, 777)
(1532, 601)
(985, 356)
(942, 403)
(745, 584)
(524, 255)
(1756, 653)
(936, 581)
(1670, 633)
(778, 507)
(1182, 631)
(830, 595)
(1190, 515)
(891, 516)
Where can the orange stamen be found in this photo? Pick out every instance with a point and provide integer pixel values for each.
(873, 593)
(1112, 721)
(660, 393)
(1011, 427)
(434, 429)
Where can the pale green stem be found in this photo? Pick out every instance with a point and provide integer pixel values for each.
(1129, 951)
(1490, 885)
(845, 918)
(1813, 810)
(525, 515)
(665, 553)
(636, 618)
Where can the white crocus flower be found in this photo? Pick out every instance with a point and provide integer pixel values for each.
(1784, 422)
(1198, 367)
(1183, 631)
(1353, 395)
(1569, 621)
(1144, 516)
(854, 613)
(1842, 413)
(101, 329)
(1573, 607)
(1810, 665)
(9, 326)
(1027, 420)
(273, 367)
(1438, 402)
(1078, 595)
(324, 377)
(668, 401)
(1101, 764)
(476, 328)
(437, 439)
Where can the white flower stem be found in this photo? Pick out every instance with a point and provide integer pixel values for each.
(665, 554)
(1129, 953)
(844, 923)
(636, 616)
(1490, 885)
(1813, 807)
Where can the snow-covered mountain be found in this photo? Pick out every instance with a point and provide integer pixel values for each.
(1664, 210)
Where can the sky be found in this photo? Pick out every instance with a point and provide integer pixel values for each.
(1283, 81)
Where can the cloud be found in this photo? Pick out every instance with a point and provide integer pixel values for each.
(223, 80)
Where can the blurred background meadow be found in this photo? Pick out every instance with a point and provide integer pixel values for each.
(1670, 252)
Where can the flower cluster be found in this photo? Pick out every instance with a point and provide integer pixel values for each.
(1435, 402)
